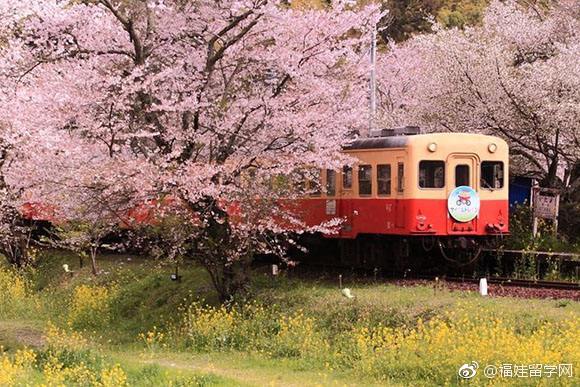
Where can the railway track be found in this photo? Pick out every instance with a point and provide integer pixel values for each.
(518, 282)
(502, 281)
(498, 286)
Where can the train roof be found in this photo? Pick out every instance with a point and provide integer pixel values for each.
(378, 143)
(403, 141)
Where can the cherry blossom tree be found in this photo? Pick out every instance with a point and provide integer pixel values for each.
(205, 102)
(517, 76)
(16, 225)
(15, 229)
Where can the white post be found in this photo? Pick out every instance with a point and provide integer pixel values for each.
(483, 286)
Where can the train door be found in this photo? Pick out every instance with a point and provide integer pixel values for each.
(400, 193)
(345, 203)
(462, 171)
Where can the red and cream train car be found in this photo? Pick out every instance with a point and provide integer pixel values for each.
(443, 185)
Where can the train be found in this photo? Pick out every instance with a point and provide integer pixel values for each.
(439, 190)
(406, 191)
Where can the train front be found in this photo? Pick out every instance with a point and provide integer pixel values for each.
(458, 188)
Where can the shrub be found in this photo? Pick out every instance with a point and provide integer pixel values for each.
(11, 369)
(298, 337)
(430, 350)
(90, 307)
(153, 339)
(433, 349)
(16, 298)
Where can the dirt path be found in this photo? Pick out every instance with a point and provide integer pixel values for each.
(20, 334)
(240, 369)
(252, 371)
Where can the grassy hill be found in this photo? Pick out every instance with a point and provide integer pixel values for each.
(133, 325)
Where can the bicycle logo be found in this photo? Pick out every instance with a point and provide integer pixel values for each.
(463, 204)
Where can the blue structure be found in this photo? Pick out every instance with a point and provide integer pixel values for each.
(520, 190)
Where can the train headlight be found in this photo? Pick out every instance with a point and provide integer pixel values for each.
(432, 147)
(492, 148)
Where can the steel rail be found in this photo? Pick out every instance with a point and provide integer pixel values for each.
(519, 282)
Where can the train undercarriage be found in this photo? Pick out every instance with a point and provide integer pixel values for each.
(398, 255)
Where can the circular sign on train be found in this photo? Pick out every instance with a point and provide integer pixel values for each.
(463, 204)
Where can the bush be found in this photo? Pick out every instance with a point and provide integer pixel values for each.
(16, 298)
(546, 239)
(47, 368)
(207, 328)
(90, 307)
(431, 350)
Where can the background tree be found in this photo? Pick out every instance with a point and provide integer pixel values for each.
(16, 223)
(517, 76)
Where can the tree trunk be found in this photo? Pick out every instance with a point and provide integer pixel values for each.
(230, 278)
(233, 281)
(16, 251)
(551, 180)
(94, 260)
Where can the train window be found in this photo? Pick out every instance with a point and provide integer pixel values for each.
(400, 177)
(384, 179)
(461, 175)
(492, 174)
(346, 177)
(330, 182)
(314, 183)
(364, 180)
(431, 174)
(300, 181)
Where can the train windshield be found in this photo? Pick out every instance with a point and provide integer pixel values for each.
(431, 174)
(492, 174)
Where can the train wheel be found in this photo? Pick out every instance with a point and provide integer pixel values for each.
(428, 243)
(464, 258)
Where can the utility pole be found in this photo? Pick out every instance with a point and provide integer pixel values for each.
(373, 81)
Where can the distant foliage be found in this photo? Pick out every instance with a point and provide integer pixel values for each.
(515, 76)
(461, 13)
(521, 236)
(569, 222)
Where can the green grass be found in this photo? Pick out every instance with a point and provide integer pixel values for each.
(142, 297)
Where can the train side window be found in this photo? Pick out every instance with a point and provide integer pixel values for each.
(431, 174)
(330, 182)
(364, 180)
(492, 174)
(400, 177)
(314, 183)
(346, 177)
(300, 181)
(461, 175)
(384, 179)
